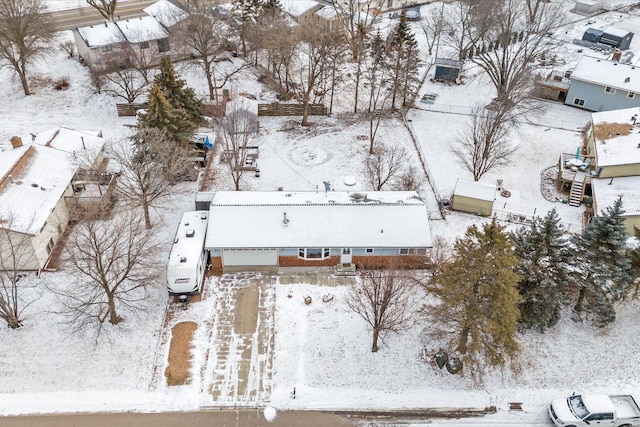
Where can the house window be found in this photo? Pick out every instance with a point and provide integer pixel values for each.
(144, 45)
(314, 253)
(413, 251)
(631, 95)
(50, 246)
(579, 102)
(610, 90)
(106, 48)
(368, 251)
(163, 45)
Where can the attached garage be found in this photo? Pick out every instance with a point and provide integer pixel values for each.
(474, 197)
(249, 257)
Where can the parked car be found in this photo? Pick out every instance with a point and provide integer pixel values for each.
(595, 409)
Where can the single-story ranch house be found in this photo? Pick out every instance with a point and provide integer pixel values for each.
(291, 229)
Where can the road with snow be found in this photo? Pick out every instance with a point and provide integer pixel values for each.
(83, 16)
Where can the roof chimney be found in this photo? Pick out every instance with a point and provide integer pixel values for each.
(16, 141)
(617, 54)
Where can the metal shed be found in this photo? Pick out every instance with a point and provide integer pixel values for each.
(616, 37)
(447, 69)
(474, 197)
(592, 35)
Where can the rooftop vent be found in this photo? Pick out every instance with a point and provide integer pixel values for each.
(285, 220)
(191, 232)
(627, 80)
(183, 259)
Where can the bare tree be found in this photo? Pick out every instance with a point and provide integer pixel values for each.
(385, 299)
(69, 47)
(236, 130)
(314, 58)
(113, 263)
(107, 8)
(150, 167)
(463, 25)
(358, 18)
(432, 26)
(516, 37)
(15, 256)
(26, 33)
(377, 79)
(206, 40)
(409, 179)
(123, 83)
(484, 145)
(384, 164)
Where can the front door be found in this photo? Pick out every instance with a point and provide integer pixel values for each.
(345, 256)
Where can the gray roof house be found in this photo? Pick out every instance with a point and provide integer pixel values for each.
(603, 85)
(144, 39)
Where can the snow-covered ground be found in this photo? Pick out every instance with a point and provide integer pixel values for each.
(322, 349)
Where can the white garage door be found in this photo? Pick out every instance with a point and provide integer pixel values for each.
(248, 257)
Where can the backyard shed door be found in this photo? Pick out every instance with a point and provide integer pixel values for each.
(249, 257)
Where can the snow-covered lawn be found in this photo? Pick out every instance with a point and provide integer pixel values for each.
(322, 349)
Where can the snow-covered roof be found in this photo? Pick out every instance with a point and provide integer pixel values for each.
(598, 403)
(607, 190)
(189, 239)
(143, 29)
(165, 12)
(278, 219)
(72, 141)
(607, 73)
(241, 103)
(33, 185)
(298, 8)
(101, 34)
(327, 12)
(615, 32)
(475, 190)
(617, 149)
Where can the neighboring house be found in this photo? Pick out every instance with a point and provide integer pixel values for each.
(474, 197)
(289, 229)
(301, 10)
(36, 189)
(143, 40)
(603, 85)
(607, 191)
(242, 113)
(610, 166)
(614, 143)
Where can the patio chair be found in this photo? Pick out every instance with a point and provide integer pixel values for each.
(585, 165)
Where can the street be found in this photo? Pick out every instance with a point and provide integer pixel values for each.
(80, 17)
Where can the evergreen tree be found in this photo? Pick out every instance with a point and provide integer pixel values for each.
(543, 252)
(634, 272)
(602, 258)
(246, 13)
(404, 58)
(477, 299)
(180, 97)
(162, 116)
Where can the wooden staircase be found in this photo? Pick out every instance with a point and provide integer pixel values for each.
(577, 189)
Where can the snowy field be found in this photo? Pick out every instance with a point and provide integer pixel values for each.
(322, 349)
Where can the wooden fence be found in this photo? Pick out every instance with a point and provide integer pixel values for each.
(278, 109)
(129, 109)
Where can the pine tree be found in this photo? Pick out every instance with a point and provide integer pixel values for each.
(162, 116)
(634, 272)
(404, 58)
(477, 299)
(543, 252)
(603, 260)
(178, 94)
(246, 12)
